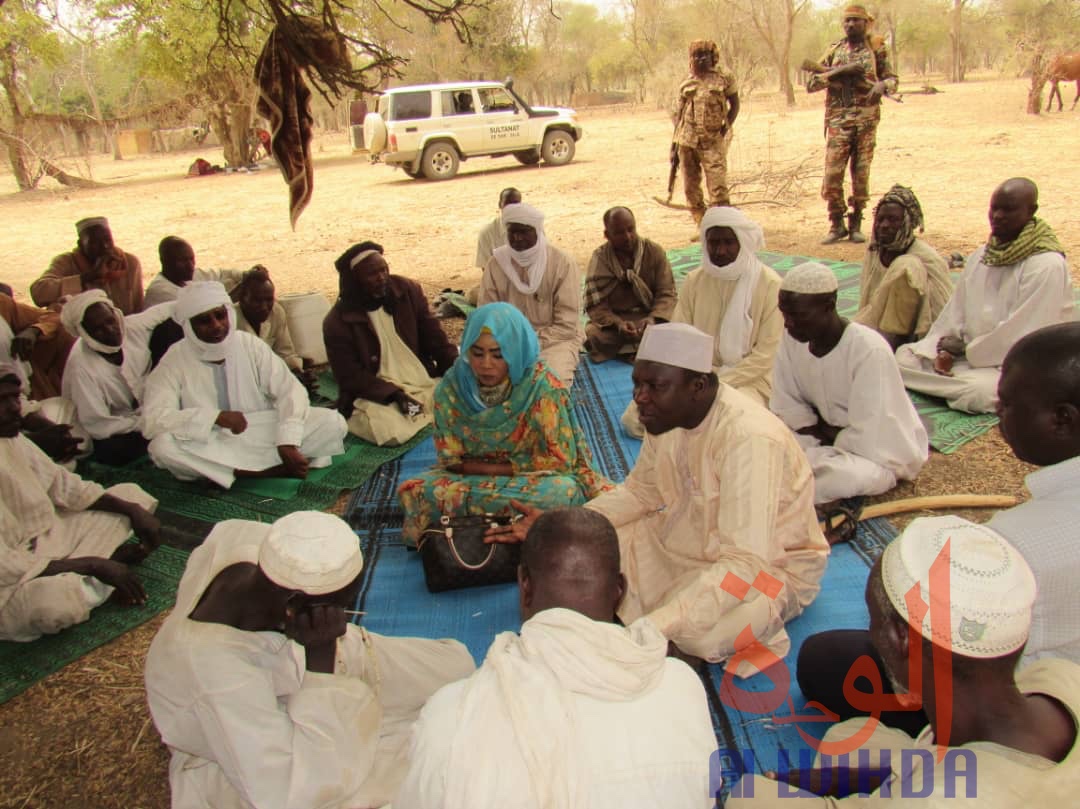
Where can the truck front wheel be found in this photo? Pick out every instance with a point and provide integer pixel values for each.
(558, 147)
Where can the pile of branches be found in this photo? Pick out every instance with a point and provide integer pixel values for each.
(776, 183)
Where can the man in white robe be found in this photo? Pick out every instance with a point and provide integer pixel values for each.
(836, 385)
(106, 372)
(731, 296)
(576, 710)
(1017, 282)
(222, 404)
(719, 539)
(492, 235)
(264, 692)
(62, 549)
(178, 269)
(996, 738)
(543, 282)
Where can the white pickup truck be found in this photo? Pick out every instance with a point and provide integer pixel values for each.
(428, 129)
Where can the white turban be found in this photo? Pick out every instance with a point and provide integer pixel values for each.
(533, 260)
(311, 551)
(678, 344)
(91, 222)
(737, 327)
(809, 278)
(991, 587)
(195, 298)
(75, 310)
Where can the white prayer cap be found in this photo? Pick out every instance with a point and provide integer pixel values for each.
(678, 344)
(991, 588)
(521, 214)
(91, 222)
(71, 316)
(197, 297)
(311, 551)
(811, 278)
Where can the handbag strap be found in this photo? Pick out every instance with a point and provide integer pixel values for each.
(457, 556)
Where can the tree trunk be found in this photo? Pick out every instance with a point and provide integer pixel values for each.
(1038, 81)
(956, 42)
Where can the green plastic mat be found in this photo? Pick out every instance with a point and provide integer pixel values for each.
(23, 664)
(203, 500)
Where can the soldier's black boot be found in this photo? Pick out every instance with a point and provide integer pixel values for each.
(854, 224)
(837, 231)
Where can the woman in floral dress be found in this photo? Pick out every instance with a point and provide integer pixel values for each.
(505, 429)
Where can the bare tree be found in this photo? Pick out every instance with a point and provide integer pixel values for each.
(774, 21)
(956, 40)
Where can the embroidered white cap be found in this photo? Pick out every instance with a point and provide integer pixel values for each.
(991, 588)
(678, 344)
(809, 278)
(313, 552)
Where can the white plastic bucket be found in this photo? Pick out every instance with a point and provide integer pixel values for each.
(305, 312)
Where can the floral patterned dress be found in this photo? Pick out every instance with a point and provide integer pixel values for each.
(535, 430)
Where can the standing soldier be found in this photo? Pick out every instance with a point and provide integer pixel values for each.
(857, 73)
(708, 106)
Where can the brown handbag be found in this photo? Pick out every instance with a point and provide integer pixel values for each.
(455, 555)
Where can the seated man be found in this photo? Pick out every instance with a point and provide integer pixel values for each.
(628, 286)
(720, 492)
(577, 711)
(62, 538)
(492, 235)
(1039, 407)
(385, 347)
(221, 405)
(258, 312)
(905, 283)
(1017, 282)
(178, 268)
(107, 370)
(732, 296)
(95, 263)
(836, 385)
(32, 339)
(1016, 732)
(543, 282)
(264, 692)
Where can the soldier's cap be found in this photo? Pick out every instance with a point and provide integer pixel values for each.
(859, 12)
(704, 45)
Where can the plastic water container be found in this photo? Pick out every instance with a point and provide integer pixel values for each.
(305, 312)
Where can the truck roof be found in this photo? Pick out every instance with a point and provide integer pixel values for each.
(461, 85)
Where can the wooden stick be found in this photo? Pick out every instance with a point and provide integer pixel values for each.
(933, 503)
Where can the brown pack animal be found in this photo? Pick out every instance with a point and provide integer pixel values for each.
(1063, 67)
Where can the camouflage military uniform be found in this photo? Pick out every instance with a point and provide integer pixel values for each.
(851, 120)
(703, 136)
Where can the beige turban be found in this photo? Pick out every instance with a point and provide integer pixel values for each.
(991, 588)
(311, 551)
(75, 310)
(532, 259)
(677, 344)
(810, 278)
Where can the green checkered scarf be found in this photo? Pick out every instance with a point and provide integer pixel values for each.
(1036, 237)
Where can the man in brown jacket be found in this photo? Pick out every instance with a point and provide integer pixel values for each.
(386, 349)
(628, 287)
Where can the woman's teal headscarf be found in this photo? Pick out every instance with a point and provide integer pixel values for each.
(516, 338)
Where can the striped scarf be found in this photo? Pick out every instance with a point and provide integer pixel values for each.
(1036, 237)
(913, 218)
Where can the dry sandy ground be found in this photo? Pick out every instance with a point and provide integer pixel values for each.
(82, 737)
